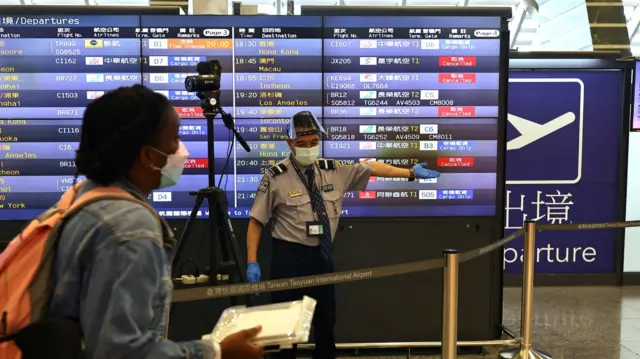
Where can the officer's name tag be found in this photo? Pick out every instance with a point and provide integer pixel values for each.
(315, 229)
(295, 193)
(327, 188)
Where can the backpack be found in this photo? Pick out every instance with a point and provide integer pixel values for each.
(26, 287)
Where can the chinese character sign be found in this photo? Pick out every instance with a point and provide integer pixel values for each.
(562, 166)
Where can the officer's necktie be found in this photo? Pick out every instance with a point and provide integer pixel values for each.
(318, 207)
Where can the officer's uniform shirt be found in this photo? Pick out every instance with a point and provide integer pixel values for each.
(282, 195)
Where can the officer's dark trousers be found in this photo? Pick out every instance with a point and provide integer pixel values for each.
(297, 260)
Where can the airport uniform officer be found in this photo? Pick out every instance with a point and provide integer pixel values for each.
(303, 196)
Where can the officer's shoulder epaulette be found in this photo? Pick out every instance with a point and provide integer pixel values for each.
(325, 164)
(276, 170)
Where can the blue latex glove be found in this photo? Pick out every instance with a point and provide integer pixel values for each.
(253, 272)
(425, 173)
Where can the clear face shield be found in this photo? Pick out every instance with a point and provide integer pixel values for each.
(304, 123)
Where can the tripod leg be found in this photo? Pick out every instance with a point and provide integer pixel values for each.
(237, 255)
(229, 244)
(232, 251)
(181, 242)
(186, 232)
(214, 245)
(235, 252)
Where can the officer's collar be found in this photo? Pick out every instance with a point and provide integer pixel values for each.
(297, 164)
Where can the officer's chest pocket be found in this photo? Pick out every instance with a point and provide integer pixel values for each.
(333, 203)
(300, 207)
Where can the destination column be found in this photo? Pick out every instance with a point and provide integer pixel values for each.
(278, 72)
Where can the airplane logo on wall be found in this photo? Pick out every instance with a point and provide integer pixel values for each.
(565, 121)
(531, 132)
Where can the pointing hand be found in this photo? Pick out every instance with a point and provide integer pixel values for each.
(424, 173)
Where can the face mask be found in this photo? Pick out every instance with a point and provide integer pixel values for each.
(172, 170)
(307, 156)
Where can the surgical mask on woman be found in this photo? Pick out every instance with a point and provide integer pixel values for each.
(172, 170)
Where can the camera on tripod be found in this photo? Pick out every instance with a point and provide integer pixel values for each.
(225, 258)
(206, 85)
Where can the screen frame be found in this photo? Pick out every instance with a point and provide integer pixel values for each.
(504, 13)
(595, 61)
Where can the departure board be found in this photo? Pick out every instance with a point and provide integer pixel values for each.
(272, 69)
(420, 89)
(406, 90)
(51, 67)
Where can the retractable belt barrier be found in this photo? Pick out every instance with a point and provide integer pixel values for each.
(586, 226)
(230, 290)
(450, 262)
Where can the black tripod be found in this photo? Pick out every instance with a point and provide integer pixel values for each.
(225, 259)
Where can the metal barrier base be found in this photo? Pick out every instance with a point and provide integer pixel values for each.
(523, 353)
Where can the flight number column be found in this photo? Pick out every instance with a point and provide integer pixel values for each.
(408, 93)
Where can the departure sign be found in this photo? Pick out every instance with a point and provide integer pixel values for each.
(418, 89)
(51, 67)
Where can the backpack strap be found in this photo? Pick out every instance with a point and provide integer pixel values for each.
(69, 204)
(105, 193)
(68, 197)
(94, 195)
(45, 218)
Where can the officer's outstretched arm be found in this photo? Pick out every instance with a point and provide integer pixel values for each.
(253, 240)
(379, 169)
(420, 170)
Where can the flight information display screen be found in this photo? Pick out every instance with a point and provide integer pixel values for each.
(51, 67)
(421, 89)
(418, 89)
(272, 69)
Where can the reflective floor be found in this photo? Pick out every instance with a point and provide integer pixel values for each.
(578, 322)
(582, 322)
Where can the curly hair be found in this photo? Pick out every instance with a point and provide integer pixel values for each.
(115, 128)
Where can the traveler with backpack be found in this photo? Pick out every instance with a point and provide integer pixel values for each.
(108, 269)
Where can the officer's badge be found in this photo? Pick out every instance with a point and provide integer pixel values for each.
(264, 185)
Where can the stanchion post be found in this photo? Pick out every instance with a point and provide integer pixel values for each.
(526, 350)
(450, 305)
